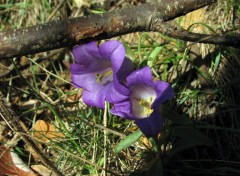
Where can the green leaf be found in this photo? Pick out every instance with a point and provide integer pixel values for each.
(217, 60)
(154, 144)
(205, 75)
(165, 71)
(128, 140)
(129, 53)
(153, 55)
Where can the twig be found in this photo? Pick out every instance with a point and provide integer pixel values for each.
(37, 61)
(18, 126)
(55, 10)
(105, 139)
(70, 32)
(10, 69)
(174, 32)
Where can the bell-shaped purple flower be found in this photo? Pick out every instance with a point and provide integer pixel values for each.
(145, 99)
(99, 71)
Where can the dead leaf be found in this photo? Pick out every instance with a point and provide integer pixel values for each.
(32, 152)
(44, 131)
(145, 143)
(3, 128)
(80, 3)
(194, 17)
(11, 164)
(43, 170)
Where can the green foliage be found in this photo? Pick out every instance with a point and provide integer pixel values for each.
(128, 141)
(41, 89)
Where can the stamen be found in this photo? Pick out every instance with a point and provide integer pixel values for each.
(99, 77)
(146, 105)
(142, 98)
(148, 111)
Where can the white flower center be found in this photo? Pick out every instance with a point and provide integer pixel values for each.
(104, 77)
(142, 98)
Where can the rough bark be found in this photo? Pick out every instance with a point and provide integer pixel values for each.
(66, 33)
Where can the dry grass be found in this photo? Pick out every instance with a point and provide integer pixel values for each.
(39, 87)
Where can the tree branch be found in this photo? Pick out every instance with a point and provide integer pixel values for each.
(67, 33)
(182, 34)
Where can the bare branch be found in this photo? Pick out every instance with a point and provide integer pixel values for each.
(66, 33)
(174, 32)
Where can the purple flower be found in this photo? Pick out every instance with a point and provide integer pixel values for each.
(100, 71)
(145, 99)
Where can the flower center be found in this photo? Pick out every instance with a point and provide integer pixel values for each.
(146, 105)
(105, 77)
(142, 98)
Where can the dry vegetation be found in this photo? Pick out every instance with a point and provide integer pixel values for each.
(206, 80)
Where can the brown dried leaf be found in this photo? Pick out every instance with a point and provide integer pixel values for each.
(3, 128)
(40, 129)
(43, 170)
(45, 131)
(11, 164)
(194, 17)
(33, 153)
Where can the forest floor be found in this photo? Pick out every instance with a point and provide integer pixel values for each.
(202, 122)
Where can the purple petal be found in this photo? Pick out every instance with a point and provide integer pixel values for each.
(95, 66)
(106, 93)
(85, 76)
(82, 78)
(93, 99)
(164, 91)
(123, 109)
(78, 69)
(85, 81)
(120, 87)
(85, 54)
(126, 68)
(113, 96)
(152, 125)
(114, 51)
(141, 76)
(144, 97)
